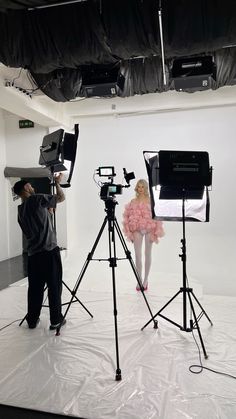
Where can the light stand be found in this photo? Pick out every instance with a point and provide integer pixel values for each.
(113, 227)
(54, 226)
(188, 295)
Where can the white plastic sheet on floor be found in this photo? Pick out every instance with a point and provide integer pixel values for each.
(74, 373)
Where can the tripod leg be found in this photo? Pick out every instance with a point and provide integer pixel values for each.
(197, 325)
(132, 264)
(112, 259)
(118, 370)
(203, 311)
(159, 313)
(77, 300)
(23, 320)
(82, 272)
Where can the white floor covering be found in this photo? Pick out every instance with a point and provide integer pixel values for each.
(74, 374)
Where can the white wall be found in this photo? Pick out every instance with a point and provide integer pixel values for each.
(23, 150)
(4, 244)
(120, 141)
(211, 247)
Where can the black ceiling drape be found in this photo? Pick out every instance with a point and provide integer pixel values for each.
(54, 42)
(57, 37)
(60, 85)
(192, 27)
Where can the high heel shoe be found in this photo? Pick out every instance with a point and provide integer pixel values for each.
(145, 286)
(137, 287)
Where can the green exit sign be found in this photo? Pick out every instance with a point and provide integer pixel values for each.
(25, 123)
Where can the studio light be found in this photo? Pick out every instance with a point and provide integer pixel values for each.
(193, 73)
(177, 174)
(178, 182)
(101, 80)
(57, 147)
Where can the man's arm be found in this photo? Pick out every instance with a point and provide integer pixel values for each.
(59, 192)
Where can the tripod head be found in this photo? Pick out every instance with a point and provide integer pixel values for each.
(110, 206)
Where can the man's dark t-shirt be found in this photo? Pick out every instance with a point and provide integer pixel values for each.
(36, 222)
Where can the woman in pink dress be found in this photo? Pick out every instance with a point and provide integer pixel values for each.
(138, 226)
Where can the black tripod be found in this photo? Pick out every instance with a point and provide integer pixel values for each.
(52, 184)
(188, 296)
(113, 226)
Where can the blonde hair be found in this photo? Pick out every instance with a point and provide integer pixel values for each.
(144, 183)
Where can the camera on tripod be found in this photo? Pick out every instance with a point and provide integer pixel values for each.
(110, 189)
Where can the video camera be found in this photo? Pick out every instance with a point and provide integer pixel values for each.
(109, 189)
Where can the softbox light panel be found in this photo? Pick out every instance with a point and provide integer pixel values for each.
(167, 198)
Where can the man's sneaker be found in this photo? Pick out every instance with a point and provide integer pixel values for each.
(55, 326)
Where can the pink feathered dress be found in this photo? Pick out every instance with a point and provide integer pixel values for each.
(138, 217)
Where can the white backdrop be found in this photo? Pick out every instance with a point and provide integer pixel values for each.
(120, 141)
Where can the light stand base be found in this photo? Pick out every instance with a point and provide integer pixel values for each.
(118, 375)
(187, 293)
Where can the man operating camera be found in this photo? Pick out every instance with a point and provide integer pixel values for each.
(44, 260)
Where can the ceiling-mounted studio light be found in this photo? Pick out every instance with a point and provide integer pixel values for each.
(193, 73)
(101, 80)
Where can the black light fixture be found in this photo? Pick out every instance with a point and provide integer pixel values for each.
(193, 73)
(101, 80)
(57, 147)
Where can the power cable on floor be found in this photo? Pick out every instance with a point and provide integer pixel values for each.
(7, 325)
(200, 366)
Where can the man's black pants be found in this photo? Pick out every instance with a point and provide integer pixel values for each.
(44, 268)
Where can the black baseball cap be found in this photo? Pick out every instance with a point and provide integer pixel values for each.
(19, 186)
